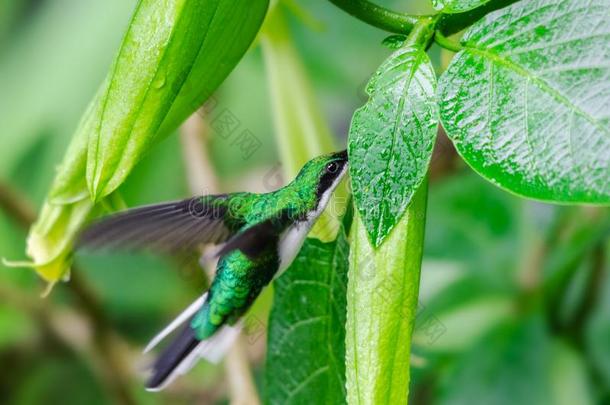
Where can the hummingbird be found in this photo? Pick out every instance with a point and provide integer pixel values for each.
(258, 237)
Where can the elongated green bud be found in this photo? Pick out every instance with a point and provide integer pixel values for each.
(382, 291)
(174, 54)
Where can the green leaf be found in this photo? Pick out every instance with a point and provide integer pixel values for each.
(306, 349)
(518, 363)
(391, 139)
(457, 6)
(563, 263)
(394, 41)
(173, 56)
(382, 293)
(525, 102)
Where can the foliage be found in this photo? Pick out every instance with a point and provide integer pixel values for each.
(512, 305)
(522, 101)
(318, 280)
(391, 139)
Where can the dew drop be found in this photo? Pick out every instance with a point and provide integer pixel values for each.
(159, 82)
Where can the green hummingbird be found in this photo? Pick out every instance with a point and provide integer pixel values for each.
(259, 235)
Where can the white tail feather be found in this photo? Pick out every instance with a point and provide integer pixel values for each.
(179, 320)
(212, 349)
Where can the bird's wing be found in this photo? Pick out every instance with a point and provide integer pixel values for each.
(168, 227)
(255, 238)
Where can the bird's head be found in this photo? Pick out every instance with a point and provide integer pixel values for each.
(324, 174)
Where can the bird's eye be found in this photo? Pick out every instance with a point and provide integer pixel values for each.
(332, 167)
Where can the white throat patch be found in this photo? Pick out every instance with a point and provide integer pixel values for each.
(292, 239)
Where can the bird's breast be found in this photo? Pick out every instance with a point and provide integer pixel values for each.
(291, 241)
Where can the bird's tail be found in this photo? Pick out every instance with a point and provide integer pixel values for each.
(184, 351)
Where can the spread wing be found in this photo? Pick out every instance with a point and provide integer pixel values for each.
(168, 227)
(256, 237)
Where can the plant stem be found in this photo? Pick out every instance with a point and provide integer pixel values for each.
(200, 172)
(402, 23)
(242, 389)
(421, 33)
(378, 16)
(446, 43)
(17, 207)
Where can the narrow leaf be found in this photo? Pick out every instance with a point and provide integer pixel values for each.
(383, 286)
(306, 349)
(527, 101)
(391, 139)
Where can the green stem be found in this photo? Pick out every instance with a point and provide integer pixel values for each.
(422, 32)
(402, 23)
(378, 16)
(451, 24)
(446, 43)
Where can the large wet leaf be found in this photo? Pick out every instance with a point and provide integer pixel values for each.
(382, 295)
(457, 6)
(306, 349)
(391, 139)
(527, 101)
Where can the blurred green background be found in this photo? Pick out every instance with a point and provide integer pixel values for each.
(515, 295)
